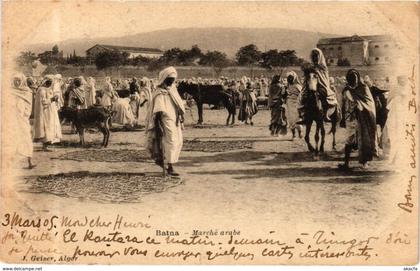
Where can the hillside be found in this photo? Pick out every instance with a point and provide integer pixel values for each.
(227, 40)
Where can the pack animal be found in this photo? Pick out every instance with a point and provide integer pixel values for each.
(92, 117)
(315, 112)
(211, 95)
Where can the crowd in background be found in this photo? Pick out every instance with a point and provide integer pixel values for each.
(129, 101)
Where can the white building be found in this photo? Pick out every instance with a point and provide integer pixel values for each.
(133, 52)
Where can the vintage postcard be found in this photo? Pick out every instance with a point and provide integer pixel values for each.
(243, 133)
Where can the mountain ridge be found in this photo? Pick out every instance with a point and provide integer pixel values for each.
(225, 39)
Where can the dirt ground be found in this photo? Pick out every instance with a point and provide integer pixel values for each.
(253, 179)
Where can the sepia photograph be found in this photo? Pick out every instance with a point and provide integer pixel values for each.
(202, 133)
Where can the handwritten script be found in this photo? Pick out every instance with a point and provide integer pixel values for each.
(407, 204)
(64, 239)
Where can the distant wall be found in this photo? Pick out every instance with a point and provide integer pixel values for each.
(376, 71)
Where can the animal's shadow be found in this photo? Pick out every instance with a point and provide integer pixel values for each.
(258, 158)
(126, 129)
(209, 126)
(300, 164)
(332, 174)
(76, 144)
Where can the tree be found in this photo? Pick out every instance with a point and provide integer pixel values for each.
(183, 58)
(52, 57)
(217, 60)
(270, 59)
(46, 57)
(26, 58)
(248, 55)
(125, 58)
(140, 61)
(274, 59)
(55, 50)
(172, 56)
(192, 55)
(176, 56)
(108, 59)
(195, 52)
(290, 58)
(75, 60)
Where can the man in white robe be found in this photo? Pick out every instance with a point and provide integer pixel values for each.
(164, 122)
(57, 87)
(47, 128)
(90, 94)
(395, 128)
(145, 97)
(123, 112)
(18, 136)
(107, 93)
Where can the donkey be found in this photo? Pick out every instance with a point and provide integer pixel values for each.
(92, 117)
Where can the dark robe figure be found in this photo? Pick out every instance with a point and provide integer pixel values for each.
(277, 103)
(359, 119)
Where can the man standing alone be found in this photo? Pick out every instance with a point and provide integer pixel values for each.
(164, 122)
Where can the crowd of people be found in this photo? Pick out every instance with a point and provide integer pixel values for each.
(38, 105)
(157, 104)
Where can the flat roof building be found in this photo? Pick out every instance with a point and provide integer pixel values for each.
(133, 52)
(359, 50)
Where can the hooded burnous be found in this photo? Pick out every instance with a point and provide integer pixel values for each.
(164, 136)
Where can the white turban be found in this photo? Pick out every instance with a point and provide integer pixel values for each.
(165, 73)
(82, 80)
(173, 93)
(91, 80)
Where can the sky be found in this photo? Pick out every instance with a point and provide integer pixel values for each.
(56, 21)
